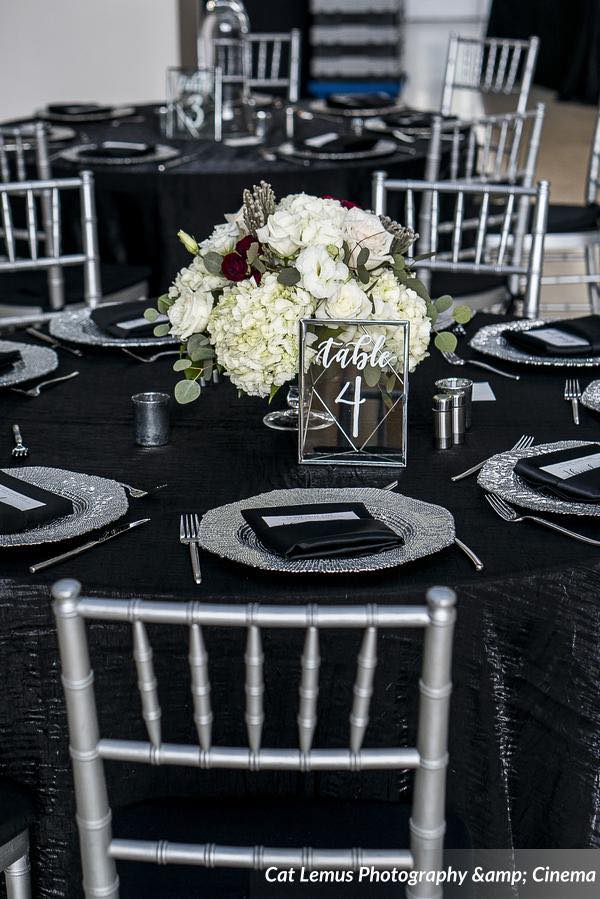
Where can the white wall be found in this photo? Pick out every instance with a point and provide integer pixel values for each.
(89, 50)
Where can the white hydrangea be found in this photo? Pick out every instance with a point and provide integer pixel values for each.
(254, 330)
(395, 302)
(301, 221)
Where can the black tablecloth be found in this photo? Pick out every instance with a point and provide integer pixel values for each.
(524, 735)
(140, 210)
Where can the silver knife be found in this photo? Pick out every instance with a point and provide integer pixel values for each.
(462, 546)
(52, 341)
(116, 532)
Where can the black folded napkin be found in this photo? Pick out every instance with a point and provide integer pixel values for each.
(8, 359)
(117, 150)
(125, 320)
(572, 474)
(321, 530)
(573, 337)
(342, 143)
(409, 118)
(77, 109)
(24, 506)
(374, 100)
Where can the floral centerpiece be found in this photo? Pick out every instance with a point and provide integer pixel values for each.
(238, 304)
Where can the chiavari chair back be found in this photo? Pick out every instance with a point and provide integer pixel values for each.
(489, 66)
(273, 62)
(100, 850)
(17, 147)
(43, 250)
(453, 251)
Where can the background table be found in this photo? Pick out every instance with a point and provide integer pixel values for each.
(140, 209)
(524, 742)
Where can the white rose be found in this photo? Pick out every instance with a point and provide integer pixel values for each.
(282, 233)
(190, 312)
(320, 273)
(362, 229)
(347, 301)
(223, 239)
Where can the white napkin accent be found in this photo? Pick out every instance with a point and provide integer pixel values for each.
(482, 392)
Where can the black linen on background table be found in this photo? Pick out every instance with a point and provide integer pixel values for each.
(140, 209)
(524, 753)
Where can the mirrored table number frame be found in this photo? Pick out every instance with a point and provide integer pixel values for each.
(356, 372)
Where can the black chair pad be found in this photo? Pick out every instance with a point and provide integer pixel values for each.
(30, 288)
(274, 822)
(16, 810)
(461, 284)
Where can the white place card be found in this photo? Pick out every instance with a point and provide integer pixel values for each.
(482, 392)
(566, 470)
(320, 140)
(274, 521)
(556, 337)
(18, 500)
(138, 322)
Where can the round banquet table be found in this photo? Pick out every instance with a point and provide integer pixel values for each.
(140, 209)
(524, 749)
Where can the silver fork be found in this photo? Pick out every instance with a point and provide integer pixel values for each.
(474, 558)
(453, 359)
(505, 511)
(138, 493)
(150, 358)
(35, 391)
(523, 442)
(189, 527)
(573, 393)
(20, 451)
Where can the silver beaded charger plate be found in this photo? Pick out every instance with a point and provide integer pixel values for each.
(426, 529)
(159, 153)
(35, 362)
(382, 148)
(323, 107)
(498, 476)
(591, 396)
(96, 503)
(76, 326)
(491, 341)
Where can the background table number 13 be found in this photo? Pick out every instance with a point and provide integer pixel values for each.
(356, 373)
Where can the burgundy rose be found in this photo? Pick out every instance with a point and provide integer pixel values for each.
(234, 267)
(347, 204)
(243, 245)
(257, 275)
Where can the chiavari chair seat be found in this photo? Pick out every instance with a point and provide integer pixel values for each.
(565, 217)
(17, 814)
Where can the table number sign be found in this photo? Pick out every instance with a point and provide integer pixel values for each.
(356, 373)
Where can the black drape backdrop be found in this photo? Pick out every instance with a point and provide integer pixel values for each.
(569, 57)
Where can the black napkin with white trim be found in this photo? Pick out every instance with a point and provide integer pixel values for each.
(8, 359)
(24, 506)
(125, 320)
(573, 337)
(571, 474)
(321, 530)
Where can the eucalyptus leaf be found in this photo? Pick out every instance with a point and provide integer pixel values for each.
(399, 260)
(252, 252)
(289, 276)
(208, 370)
(371, 375)
(443, 303)
(273, 393)
(200, 353)
(363, 256)
(462, 314)
(259, 265)
(390, 383)
(347, 252)
(419, 288)
(196, 342)
(187, 391)
(162, 330)
(164, 303)
(213, 262)
(182, 364)
(445, 342)
(151, 315)
(388, 402)
(363, 275)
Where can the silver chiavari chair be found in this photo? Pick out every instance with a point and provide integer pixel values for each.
(16, 816)
(489, 66)
(274, 62)
(36, 254)
(450, 251)
(574, 235)
(100, 850)
(15, 145)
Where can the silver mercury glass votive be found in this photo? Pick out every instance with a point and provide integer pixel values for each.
(454, 386)
(151, 418)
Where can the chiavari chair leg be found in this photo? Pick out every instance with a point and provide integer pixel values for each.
(18, 880)
(591, 267)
